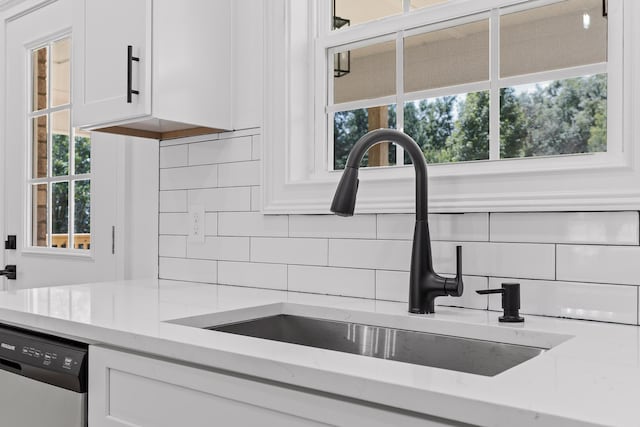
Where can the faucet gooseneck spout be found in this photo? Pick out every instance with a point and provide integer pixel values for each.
(424, 284)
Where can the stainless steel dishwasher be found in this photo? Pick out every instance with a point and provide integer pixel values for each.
(43, 380)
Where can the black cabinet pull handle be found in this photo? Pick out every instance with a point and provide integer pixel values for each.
(130, 59)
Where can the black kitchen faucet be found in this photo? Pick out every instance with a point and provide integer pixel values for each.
(424, 284)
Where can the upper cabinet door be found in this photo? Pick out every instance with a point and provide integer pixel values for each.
(104, 72)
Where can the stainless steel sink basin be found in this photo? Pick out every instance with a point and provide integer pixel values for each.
(439, 351)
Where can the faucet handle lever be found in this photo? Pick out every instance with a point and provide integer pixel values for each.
(454, 287)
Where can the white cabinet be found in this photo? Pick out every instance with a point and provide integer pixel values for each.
(133, 390)
(176, 80)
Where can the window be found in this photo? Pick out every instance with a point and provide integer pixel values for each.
(509, 82)
(60, 168)
(510, 125)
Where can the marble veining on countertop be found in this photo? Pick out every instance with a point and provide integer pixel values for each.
(591, 378)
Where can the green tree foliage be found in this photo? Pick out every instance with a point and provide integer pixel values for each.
(60, 191)
(513, 124)
(349, 127)
(83, 207)
(470, 138)
(564, 117)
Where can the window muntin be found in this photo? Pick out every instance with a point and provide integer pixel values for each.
(578, 69)
(60, 172)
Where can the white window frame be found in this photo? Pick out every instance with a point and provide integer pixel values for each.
(297, 178)
(70, 178)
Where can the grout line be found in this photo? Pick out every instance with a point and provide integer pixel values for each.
(555, 262)
(287, 279)
(211, 188)
(375, 284)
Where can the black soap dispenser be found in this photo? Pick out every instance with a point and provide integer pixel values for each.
(510, 301)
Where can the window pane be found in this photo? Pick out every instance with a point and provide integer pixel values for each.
(359, 11)
(566, 34)
(60, 125)
(39, 146)
(39, 215)
(60, 72)
(39, 72)
(82, 226)
(60, 214)
(83, 151)
(372, 73)
(447, 57)
(419, 4)
(552, 118)
(450, 128)
(350, 126)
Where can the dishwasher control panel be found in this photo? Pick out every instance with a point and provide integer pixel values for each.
(36, 355)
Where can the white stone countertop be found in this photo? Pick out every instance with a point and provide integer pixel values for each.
(590, 376)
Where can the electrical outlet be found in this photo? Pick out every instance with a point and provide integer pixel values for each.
(196, 224)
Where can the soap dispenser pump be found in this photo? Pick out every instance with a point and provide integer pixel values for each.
(510, 301)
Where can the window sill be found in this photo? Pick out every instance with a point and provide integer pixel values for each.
(57, 252)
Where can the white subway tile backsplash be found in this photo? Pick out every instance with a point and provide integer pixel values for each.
(222, 199)
(460, 227)
(189, 139)
(189, 177)
(607, 228)
(220, 151)
(599, 264)
(289, 251)
(357, 227)
(237, 296)
(239, 174)
(252, 224)
(173, 156)
(373, 254)
(173, 201)
(172, 246)
(174, 223)
(220, 248)
(210, 224)
(256, 150)
(394, 286)
(332, 281)
(272, 276)
(566, 262)
(348, 303)
(256, 199)
(607, 303)
(191, 270)
(534, 261)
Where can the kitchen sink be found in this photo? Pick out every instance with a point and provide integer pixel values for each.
(474, 356)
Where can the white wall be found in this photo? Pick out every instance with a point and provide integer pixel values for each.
(139, 246)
